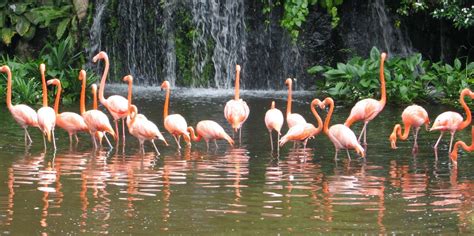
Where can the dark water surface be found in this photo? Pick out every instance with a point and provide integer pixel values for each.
(245, 189)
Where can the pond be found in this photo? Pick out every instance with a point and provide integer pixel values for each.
(246, 189)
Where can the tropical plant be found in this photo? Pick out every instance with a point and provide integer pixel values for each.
(408, 79)
(25, 18)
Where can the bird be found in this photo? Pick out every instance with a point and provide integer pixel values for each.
(69, 121)
(413, 116)
(24, 115)
(143, 129)
(340, 135)
(115, 104)
(236, 111)
(95, 120)
(367, 109)
(454, 153)
(209, 130)
(175, 124)
(303, 132)
(274, 121)
(292, 119)
(452, 121)
(98, 135)
(46, 114)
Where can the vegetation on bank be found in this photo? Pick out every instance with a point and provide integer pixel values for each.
(408, 80)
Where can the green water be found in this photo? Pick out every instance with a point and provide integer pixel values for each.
(241, 190)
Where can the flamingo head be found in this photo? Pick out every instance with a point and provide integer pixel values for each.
(54, 81)
(288, 82)
(471, 94)
(317, 102)
(383, 56)
(128, 79)
(165, 85)
(100, 55)
(4, 69)
(273, 105)
(82, 74)
(237, 67)
(360, 151)
(393, 140)
(94, 88)
(42, 68)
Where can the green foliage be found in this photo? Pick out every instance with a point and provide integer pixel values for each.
(59, 60)
(24, 18)
(295, 12)
(407, 79)
(459, 12)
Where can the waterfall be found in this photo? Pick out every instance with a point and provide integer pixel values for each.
(96, 29)
(170, 57)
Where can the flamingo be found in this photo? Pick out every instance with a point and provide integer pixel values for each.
(274, 121)
(95, 120)
(236, 110)
(144, 129)
(98, 135)
(209, 130)
(69, 121)
(46, 114)
(413, 116)
(303, 132)
(453, 121)
(454, 154)
(292, 119)
(340, 135)
(175, 124)
(24, 115)
(115, 104)
(367, 109)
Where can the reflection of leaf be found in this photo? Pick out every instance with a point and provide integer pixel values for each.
(7, 35)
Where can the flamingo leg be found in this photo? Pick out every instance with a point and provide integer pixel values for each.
(70, 138)
(215, 143)
(116, 131)
(415, 145)
(348, 155)
(93, 140)
(278, 141)
(44, 142)
(77, 139)
(362, 132)
(207, 144)
(177, 142)
(271, 139)
(304, 143)
(451, 142)
(437, 142)
(335, 156)
(54, 140)
(123, 131)
(240, 135)
(28, 135)
(156, 149)
(107, 139)
(26, 139)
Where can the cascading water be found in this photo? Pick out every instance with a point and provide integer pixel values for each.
(96, 29)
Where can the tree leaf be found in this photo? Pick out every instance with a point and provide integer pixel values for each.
(374, 54)
(7, 35)
(2, 18)
(22, 26)
(62, 28)
(315, 69)
(31, 33)
(457, 64)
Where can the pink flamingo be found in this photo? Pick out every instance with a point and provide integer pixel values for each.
(24, 115)
(236, 110)
(69, 121)
(340, 135)
(292, 119)
(367, 109)
(454, 153)
(144, 129)
(274, 121)
(115, 104)
(98, 135)
(95, 120)
(413, 116)
(453, 121)
(46, 114)
(175, 124)
(209, 130)
(303, 132)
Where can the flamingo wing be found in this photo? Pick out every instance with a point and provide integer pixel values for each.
(236, 112)
(447, 121)
(175, 124)
(24, 115)
(71, 122)
(117, 106)
(274, 119)
(293, 119)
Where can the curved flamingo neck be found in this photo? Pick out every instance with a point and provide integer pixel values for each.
(167, 103)
(9, 88)
(466, 122)
(45, 93)
(405, 132)
(83, 94)
(237, 85)
(383, 92)
(58, 98)
(102, 81)
(454, 152)
(316, 115)
(328, 117)
(288, 103)
(193, 135)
